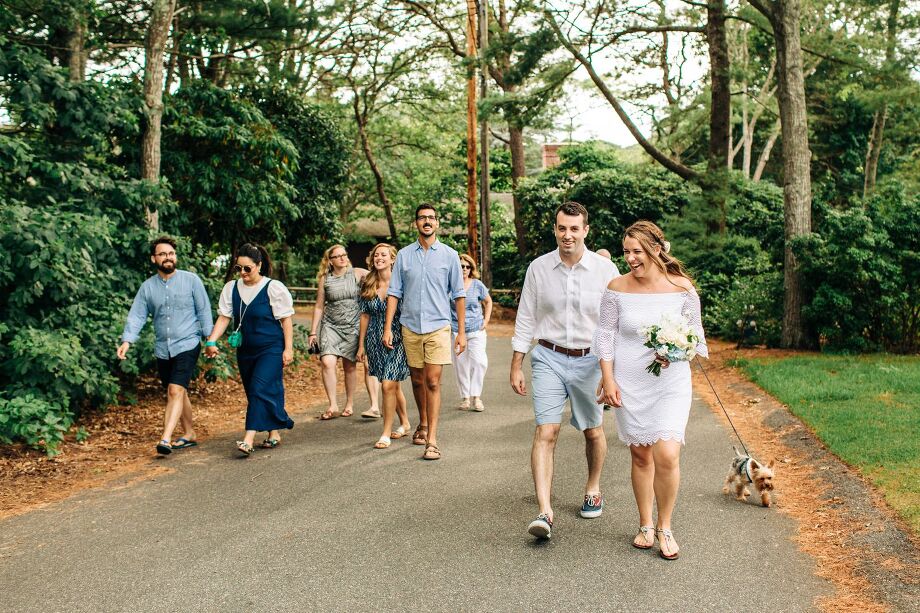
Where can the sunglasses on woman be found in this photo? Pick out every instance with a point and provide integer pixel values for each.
(247, 269)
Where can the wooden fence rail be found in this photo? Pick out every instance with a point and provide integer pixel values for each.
(307, 295)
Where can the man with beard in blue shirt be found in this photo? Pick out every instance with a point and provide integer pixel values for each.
(182, 316)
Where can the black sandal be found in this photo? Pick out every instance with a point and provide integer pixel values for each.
(244, 448)
(270, 443)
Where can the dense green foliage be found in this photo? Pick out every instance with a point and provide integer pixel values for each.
(861, 264)
(864, 268)
(615, 194)
(69, 217)
(866, 409)
(261, 165)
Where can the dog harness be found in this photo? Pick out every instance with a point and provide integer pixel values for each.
(744, 469)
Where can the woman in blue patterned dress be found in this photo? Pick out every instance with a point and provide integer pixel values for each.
(388, 365)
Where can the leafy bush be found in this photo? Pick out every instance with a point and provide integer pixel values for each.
(863, 268)
(230, 169)
(619, 196)
(737, 273)
(750, 310)
(319, 177)
(68, 216)
(31, 418)
(73, 224)
(614, 193)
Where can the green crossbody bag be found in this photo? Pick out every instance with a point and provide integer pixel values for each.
(236, 337)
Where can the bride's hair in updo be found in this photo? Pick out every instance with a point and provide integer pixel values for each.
(658, 249)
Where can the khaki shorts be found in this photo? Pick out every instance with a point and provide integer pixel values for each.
(430, 348)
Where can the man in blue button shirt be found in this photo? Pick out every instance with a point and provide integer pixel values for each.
(182, 316)
(426, 277)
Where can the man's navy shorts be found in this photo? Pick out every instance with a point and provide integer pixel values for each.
(179, 369)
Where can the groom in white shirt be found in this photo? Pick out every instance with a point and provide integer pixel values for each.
(559, 309)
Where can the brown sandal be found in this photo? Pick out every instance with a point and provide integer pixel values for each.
(421, 435)
(431, 452)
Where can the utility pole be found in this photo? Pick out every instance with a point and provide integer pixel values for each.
(485, 261)
(472, 235)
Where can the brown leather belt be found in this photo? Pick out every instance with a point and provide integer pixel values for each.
(575, 353)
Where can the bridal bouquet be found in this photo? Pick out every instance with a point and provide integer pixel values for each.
(671, 338)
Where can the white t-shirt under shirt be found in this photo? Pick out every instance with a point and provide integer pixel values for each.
(279, 297)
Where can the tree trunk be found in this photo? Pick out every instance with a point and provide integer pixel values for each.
(878, 121)
(790, 73)
(378, 176)
(719, 112)
(875, 149)
(68, 44)
(157, 31)
(518, 170)
(765, 154)
(174, 56)
(76, 52)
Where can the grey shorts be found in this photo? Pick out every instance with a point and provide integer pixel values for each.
(556, 378)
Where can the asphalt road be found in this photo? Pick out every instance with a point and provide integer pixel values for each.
(326, 523)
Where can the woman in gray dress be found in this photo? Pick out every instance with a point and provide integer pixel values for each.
(336, 317)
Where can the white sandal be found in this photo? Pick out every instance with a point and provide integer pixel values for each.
(648, 535)
(401, 432)
(382, 443)
(669, 540)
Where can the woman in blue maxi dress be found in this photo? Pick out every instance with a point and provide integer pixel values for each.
(261, 310)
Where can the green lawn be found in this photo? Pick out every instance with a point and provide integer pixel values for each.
(866, 409)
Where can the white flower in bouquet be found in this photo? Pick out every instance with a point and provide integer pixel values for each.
(672, 338)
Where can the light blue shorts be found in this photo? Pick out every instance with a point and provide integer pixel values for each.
(556, 377)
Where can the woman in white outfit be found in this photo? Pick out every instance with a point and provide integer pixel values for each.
(470, 366)
(651, 412)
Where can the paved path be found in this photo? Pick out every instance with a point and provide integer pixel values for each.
(326, 523)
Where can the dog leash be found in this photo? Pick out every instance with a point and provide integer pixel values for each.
(712, 387)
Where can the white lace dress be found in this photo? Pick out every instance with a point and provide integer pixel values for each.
(654, 408)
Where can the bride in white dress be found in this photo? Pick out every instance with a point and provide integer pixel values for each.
(651, 412)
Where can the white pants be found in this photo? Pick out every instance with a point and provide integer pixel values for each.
(470, 366)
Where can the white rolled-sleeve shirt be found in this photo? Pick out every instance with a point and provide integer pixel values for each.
(561, 304)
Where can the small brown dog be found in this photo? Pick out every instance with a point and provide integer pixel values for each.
(745, 470)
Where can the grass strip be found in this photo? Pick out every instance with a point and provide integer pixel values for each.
(866, 409)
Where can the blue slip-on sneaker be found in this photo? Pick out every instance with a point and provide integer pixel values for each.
(541, 527)
(593, 506)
